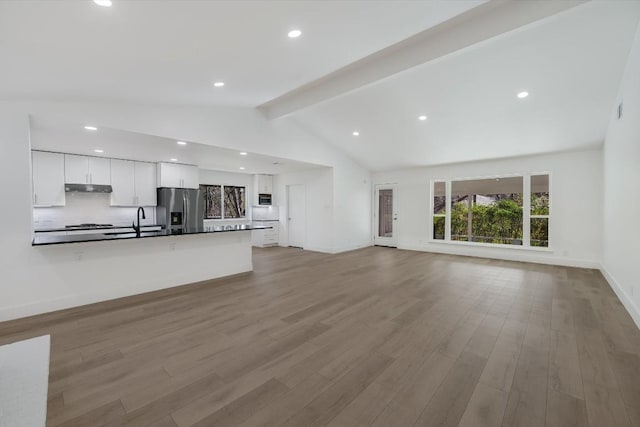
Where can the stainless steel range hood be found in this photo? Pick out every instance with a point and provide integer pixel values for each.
(87, 188)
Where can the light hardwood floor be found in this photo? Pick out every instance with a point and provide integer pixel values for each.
(377, 336)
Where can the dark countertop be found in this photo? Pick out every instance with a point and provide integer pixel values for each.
(109, 227)
(44, 239)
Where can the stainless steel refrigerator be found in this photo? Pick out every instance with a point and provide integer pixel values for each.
(180, 208)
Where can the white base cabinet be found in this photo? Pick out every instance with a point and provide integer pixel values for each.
(266, 237)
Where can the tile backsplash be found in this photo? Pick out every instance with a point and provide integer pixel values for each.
(88, 208)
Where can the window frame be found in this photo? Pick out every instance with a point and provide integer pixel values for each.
(223, 217)
(526, 211)
(432, 208)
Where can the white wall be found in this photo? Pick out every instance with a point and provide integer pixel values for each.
(352, 208)
(319, 187)
(576, 218)
(622, 190)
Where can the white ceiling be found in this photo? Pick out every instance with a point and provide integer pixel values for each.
(171, 52)
(52, 135)
(571, 64)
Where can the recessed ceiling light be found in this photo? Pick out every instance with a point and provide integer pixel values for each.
(103, 3)
(422, 118)
(181, 143)
(294, 34)
(90, 128)
(218, 84)
(355, 133)
(241, 168)
(174, 160)
(523, 94)
(97, 150)
(243, 153)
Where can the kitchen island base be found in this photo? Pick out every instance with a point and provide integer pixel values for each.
(89, 272)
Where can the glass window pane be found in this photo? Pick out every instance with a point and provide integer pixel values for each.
(234, 202)
(439, 198)
(540, 195)
(212, 201)
(487, 210)
(540, 232)
(385, 213)
(438, 227)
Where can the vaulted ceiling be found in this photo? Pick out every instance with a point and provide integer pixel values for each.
(368, 66)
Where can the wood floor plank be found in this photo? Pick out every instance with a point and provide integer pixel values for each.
(564, 410)
(329, 403)
(501, 365)
(605, 406)
(564, 364)
(486, 407)
(451, 398)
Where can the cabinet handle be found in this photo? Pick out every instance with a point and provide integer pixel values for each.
(35, 199)
(86, 178)
(90, 178)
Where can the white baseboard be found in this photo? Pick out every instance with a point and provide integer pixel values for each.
(628, 303)
(521, 256)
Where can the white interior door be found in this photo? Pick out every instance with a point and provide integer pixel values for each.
(296, 215)
(386, 215)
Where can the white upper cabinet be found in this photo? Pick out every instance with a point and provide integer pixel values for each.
(99, 171)
(134, 183)
(48, 179)
(76, 169)
(86, 170)
(178, 176)
(122, 182)
(263, 184)
(145, 184)
(190, 177)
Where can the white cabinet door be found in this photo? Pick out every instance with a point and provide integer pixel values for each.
(123, 183)
(264, 184)
(99, 171)
(145, 184)
(76, 169)
(48, 179)
(190, 177)
(169, 175)
(179, 176)
(268, 184)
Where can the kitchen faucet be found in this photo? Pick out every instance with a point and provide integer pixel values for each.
(137, 227)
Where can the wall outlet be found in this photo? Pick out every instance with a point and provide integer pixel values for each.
(79, 255)
(172, 246)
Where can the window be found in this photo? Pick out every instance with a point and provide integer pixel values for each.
(212, 201)
(487, 210)
(540, 210)
(499, 211)
(439, 209)
(224, 202)
(234, 202)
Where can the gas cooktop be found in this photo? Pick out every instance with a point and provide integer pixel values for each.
(88, 226)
